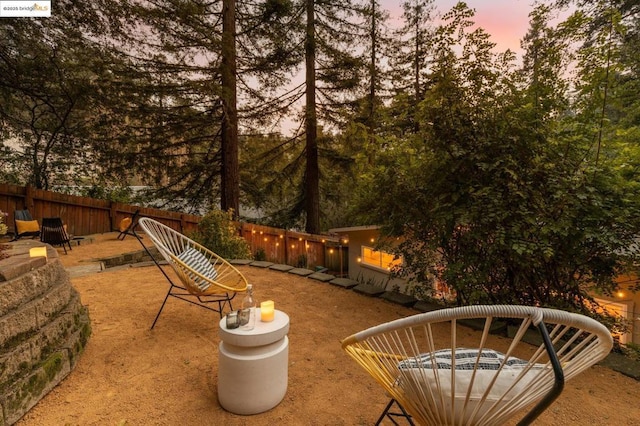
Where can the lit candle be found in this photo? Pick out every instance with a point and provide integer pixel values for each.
(38, 252)
(266, 311)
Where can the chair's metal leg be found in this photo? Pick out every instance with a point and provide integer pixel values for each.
(558, 384)
(405, 414)
(139, 238)
(387, 413)
(384, 413)
(162, 307)
(222, 303)
(130, 229)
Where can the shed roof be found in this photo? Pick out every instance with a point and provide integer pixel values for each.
(353, 229)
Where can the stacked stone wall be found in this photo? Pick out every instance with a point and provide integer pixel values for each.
(43, 328)
(130, 258)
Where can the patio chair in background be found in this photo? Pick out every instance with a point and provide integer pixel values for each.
(127, 224)
(25, 225)
(54, 232)
(206, 279)
(438, 382)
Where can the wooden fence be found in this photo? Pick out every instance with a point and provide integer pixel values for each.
(296, 248)
(86, 216)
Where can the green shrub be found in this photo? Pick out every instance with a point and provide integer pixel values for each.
(632, 350)
(217, 232)
(260, 254)
(302, 261)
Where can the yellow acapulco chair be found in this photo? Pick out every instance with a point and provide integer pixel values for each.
(206, 279)
(422, 365)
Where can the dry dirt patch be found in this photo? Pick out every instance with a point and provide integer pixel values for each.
(130, 375)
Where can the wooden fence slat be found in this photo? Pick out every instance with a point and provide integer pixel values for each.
(86, 216)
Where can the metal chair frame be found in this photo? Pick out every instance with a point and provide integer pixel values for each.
(53, 232)
(128, 229)
(392, 415)
(170, 243)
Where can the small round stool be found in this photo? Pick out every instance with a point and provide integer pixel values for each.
(253, 365)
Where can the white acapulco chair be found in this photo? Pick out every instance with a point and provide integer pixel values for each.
(420, 363)
(206, 279)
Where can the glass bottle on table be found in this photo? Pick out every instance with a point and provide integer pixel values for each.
(248, 310)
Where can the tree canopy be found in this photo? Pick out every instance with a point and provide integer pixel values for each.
(511, 180)
(506, 193)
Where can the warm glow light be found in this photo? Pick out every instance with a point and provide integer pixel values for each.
(253, 231)
(281, 236)
(266, 239)
(346, 241)
(379, 259)
(372, 239)
(261, 232)
(359, 259)
(293, 246)
(277, 244)
(331, 251)
(38, 252)
(267, 310)
(300, 239)
(620, 293)
(323, 241)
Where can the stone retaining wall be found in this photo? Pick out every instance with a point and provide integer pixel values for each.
(43, 328)
(138, 256)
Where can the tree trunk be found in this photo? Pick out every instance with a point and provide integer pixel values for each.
(230, 169)
(373, 71)
(312, 178)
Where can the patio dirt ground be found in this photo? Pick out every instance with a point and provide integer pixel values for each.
(131, 375)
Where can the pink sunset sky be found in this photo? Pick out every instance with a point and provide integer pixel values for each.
(506, 21)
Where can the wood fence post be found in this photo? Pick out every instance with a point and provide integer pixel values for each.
(182, 223)
(286, 248)
(113, 212)
(28, 198)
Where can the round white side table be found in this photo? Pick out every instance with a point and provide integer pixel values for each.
(253, 365)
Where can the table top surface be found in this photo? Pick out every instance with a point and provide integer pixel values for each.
(263, 333)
